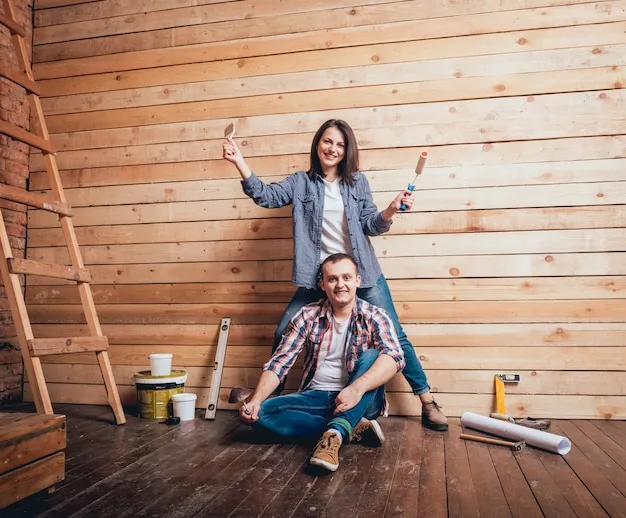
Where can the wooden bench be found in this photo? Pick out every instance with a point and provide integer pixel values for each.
(32, 455)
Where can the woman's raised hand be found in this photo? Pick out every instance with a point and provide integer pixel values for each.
(406, 198)
(231, 151)
(233, 155)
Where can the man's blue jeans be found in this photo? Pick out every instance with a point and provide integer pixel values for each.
(380, 296)
(309, 413)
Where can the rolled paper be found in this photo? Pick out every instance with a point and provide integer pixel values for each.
(544, 440)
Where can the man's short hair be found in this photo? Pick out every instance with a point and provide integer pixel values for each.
(335, 258)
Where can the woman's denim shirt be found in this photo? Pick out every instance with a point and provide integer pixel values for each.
(307, 198)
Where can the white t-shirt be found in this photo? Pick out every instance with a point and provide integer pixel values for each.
(332, 373)
(335, 235)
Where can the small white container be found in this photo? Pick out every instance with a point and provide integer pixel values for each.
(184, 406)
(161, 364)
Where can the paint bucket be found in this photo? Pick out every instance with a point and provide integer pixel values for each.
(161, 364)
(184, 406)
(155, 392)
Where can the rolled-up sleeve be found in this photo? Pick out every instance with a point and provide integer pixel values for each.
(270, 196)
(371, 218)
(290, 347)
(385, 338)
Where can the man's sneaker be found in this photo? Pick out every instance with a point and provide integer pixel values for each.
(326, 453)
(368, 432)
(433, 417)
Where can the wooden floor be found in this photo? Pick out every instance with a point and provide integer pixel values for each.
(214, 468)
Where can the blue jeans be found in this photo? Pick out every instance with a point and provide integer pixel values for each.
(309, 413)
(380, 296)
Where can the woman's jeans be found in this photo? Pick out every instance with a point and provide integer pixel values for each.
(380, 296)
(309, 413)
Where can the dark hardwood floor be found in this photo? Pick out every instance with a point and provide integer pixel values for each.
(215, 468)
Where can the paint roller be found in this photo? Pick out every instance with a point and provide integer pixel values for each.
(418, 171)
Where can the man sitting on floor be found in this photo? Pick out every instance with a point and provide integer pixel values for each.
(351, 351)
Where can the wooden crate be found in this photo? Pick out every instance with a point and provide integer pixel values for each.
(32, 454)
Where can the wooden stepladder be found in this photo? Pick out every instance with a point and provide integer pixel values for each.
(33, 348)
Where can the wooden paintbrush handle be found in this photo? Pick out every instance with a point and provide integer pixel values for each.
(488, 440)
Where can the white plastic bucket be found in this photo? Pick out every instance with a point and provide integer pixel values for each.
(184, 406)
(161, 364)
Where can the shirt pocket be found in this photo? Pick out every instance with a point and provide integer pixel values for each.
(307, 202)
(357, 202)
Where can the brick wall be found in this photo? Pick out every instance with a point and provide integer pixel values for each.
(14, 108)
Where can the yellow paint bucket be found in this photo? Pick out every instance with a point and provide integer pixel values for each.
(154, 393)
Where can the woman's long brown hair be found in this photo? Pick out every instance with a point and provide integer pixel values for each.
(349, 165)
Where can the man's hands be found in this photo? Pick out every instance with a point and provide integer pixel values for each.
(347, 399)
(252, 413)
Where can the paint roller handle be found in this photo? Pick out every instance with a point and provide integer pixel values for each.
(411, 188)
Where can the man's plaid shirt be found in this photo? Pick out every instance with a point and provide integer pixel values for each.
(311, 329)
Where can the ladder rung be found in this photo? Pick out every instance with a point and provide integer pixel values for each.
(57, 271)
(20, 79)
(80, 344)
(12, 26)
(27, 137)
(33, 199)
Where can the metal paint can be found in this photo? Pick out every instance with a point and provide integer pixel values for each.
(154, 393)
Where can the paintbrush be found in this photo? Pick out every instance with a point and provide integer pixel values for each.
(229, 131)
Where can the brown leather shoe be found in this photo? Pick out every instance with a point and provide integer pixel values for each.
(239, 394)
(433, 417)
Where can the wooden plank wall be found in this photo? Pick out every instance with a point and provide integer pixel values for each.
(514, 261)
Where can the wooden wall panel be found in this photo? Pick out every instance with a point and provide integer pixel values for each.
(517, 239)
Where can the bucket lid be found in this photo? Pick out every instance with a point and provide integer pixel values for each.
(161, 356)
(147, 378)
(188, 396)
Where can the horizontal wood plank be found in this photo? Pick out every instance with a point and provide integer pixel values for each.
(449, 267)
(497, 220)
(480, 198)
(22, 443)
(413, 312)
(446, 381)
(589, 407)
(30, 479)
(21, 79)
(561, 334)
(184, 16)
(80, 344)
(513, 107)
(55, 271)
(557, 288)
(483, 243)
(34, 200)
(27, 138)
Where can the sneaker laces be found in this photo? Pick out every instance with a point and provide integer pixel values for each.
(326, 443)
(359, 430)
(434, 404)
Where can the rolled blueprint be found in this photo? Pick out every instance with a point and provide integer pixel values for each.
(544, 440)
